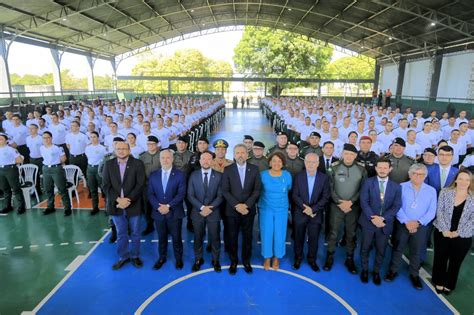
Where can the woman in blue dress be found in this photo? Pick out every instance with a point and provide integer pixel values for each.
(273, 207)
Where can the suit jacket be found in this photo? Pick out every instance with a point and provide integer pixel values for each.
(434, 177)
(132, 185)
(173, 196)
(213, 197)
(234, 193)
(371, 204)
(444, 213)
(322, 163)
(319, 198)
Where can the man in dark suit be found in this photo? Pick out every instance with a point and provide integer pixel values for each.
(123, 183)
(241, 187)
(380, 200)
(310, 195)
(205, 195)
(327, 158)
(166, 192)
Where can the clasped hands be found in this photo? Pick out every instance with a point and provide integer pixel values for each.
(345, 206)
(206, 210)
(308, 211)
(242, 208)
(164, 209)
(450, 234)
(123, 203)
(412, 226)
(378, 221)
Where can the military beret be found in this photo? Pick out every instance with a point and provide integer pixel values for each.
(220, 143)
(183, 138)
(365, 138)
(430, 150)
(248, 137)
(292, 142)
(120, 139)
(315, 134)
(153, 139)
(281, 133)
(350, 147)
(399, 141)
(203, 139)
(259, 144)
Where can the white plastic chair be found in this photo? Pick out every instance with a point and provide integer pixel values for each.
(28, 178)
(72, 178)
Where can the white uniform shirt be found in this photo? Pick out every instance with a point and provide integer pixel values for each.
(51, 155)
(95, 154)
(34, 144)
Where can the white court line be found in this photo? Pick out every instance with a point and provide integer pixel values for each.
(18, 247)
(64, 244)
(191, 275)
(75, 263)
(424, 275)
(59, 285)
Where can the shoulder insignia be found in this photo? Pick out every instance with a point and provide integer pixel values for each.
(360, 164)
(336, 163)
(410, 158)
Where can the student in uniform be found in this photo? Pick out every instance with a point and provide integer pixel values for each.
(9, 180)
(34, 142)
(95, 152)
(76, 143)
(53, 174)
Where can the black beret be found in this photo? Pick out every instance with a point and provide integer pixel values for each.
(259, 144)
(203, 139)
(350, 147)
(292, 142)
(153, 139)
(399, 141)
(281, 133)
(183, 138)
(430, 150)
(120, 139)
(248, 137)
(315, 133)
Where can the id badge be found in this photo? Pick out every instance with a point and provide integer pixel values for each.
(413, 205)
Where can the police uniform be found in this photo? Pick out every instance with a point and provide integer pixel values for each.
(77, 143)
(181, 161)
(54, 175)
(400, 166)
(346, 181)
(368, 159)
(9, 180)
(217, 164)
(261, 162)
(294, 166)
(311, 149)
(277, 148)
(95, 154)
(249, 152)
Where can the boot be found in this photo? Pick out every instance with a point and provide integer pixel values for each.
(113, 236)
(329, 261)
(350, 265)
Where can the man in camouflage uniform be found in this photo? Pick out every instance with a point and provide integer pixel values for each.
(248, 141)
(220, 162)
(346, 177)
(367, 157)
(282, 142)
(181, 161)
(313, 147)
(294, 164)
(400, 162)
(258, 158)
(202, 145)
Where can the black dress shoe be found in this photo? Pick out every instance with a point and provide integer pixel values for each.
(364, 276)
(159, 264)
(67, 212)
(216, 265)
(21, 211)
(296, 264)
(390, 276)
(350, 265)
(248, 268)
(149, 229)
(376, 278)
(6, 210)
(233, 269)
(197, 265)
(119, 264)
(137, 262)
(416, 282)
(446, 291)
(95, 211)
(314, 266)
(48, 211)
(329, 262)
(179, 264)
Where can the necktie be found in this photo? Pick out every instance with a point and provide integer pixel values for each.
(443, 177)
(242, 174)
(327, 164)
(164, 180)
(206, 182)
(382, 194)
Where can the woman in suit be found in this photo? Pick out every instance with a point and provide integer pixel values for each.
(453, 236)
(273, 205)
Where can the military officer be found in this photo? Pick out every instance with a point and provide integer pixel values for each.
(282, 142)
(314, 145)
(202, 145)
(95, 153)
(182, 155)
(258, 158)
(9, 180)
(366, 156)
(53, 174)
(294, 164)
(248, 141)
(220, 162)
(400, 162)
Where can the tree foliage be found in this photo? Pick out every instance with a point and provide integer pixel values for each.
(351, 68)
(68, 81)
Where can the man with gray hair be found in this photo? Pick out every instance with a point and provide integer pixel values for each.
(418, 210)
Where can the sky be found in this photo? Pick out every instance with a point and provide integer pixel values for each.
(30, 59)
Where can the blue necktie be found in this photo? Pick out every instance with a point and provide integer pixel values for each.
(164, 180)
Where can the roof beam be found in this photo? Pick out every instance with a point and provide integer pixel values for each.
(306, 14)
(281, 12)
(340, 13)
(212, 13)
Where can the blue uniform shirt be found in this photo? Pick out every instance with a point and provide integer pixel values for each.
(417, 205)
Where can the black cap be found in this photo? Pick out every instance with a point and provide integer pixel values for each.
(248, 137)
(259, 144)
(203, 139)
(183, 138)
(281, 133)
(292, 142)
(430, 150)
(350, 147)
(120, 139)
(153, 139)
(315, 133)
(399, 141)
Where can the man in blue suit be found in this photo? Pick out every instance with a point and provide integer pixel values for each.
(166, 192)
(310, 195)
(380, 200)
(205, 195)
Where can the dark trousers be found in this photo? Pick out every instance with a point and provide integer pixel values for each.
(302, 227)
(38, 162)
(414, 241)
(242, 223)
(55, 176)
(337, 218)
(80, 161)
(164, 228)
(213, 235)
(449, 254)
(94, 181)
(381, 240)
(23, 150)
(10, 182)
(426, 242)
(327, 221)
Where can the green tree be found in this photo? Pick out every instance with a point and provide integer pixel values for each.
(352, 68)
(277, 53)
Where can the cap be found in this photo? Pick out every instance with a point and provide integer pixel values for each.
(292, 142)
(350, 147)
(281, 133)
(153, 139)
(399, 141)
(259, 144)
(203, 139)
(248, 137)
(315, 134)
(430, 150)
(118, 139)
(365, 138)
(183, 138)
(220, 143)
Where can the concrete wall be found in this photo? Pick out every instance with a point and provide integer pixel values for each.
(388, 77)
(417, 76)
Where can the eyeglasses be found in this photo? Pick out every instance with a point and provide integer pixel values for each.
(419, 174)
